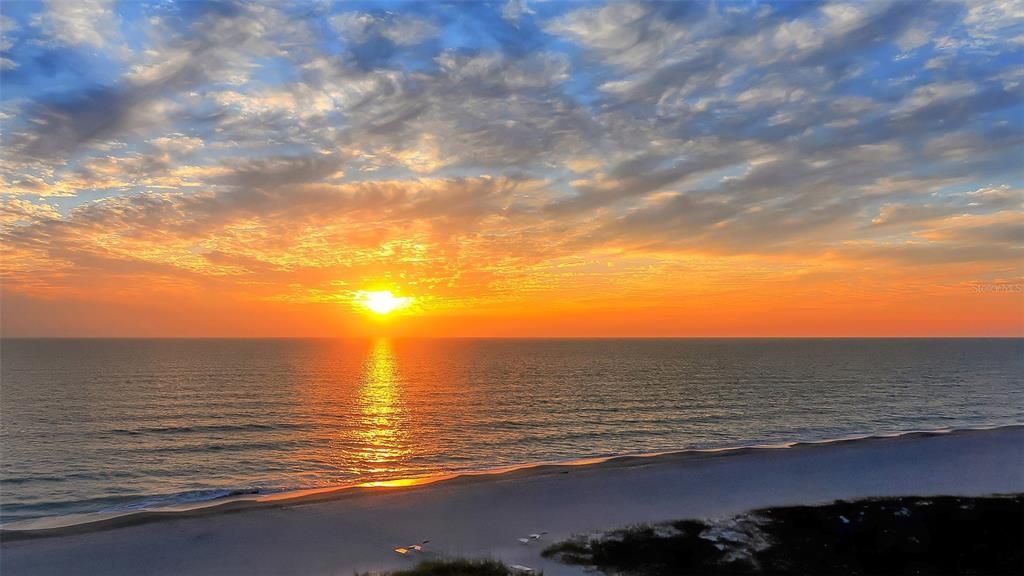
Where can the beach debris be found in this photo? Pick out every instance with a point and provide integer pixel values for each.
(405, 550)
(844, 519)
(520, 569)
(531, 538)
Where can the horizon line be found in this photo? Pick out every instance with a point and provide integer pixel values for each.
(632, 337)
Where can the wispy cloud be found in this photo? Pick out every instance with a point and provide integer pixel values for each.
(500, 153)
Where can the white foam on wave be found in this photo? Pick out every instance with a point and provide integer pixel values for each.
(203, 499)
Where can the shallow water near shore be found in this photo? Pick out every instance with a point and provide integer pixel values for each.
(91, 426)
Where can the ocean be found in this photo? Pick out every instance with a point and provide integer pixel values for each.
(107, 425)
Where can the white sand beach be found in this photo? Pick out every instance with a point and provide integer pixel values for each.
(483, 516)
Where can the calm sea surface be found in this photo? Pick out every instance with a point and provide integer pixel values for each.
(100, 425)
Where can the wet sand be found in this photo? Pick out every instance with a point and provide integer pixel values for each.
(341, 532)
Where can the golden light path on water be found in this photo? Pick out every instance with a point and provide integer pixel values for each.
(383, 433)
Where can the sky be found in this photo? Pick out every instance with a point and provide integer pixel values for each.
(519, 168)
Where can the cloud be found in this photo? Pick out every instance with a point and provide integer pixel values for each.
(493, 149)
(513, 10)
(424, 227)
(1000, 229)
(280, 171)
(483, 109)
(143, 99)
(494, 73)
(996, 20)
(17, 211)
(81, 22)
(361, 27)
(177, 144)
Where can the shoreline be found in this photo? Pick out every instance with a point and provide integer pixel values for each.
(56, 526)
(484, 517)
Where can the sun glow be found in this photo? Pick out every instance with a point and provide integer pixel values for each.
(382, 302)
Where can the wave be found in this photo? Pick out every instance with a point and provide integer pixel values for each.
(217, 499)
(206, 428)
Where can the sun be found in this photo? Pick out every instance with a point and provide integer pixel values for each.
(382, 302)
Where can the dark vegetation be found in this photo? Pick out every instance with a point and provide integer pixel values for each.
(941, 535)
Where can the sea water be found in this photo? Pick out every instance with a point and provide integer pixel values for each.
(99, 425)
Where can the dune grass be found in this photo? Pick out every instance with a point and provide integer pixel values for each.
(943, 535)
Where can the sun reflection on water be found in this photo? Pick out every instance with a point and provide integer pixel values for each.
(383, 435)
